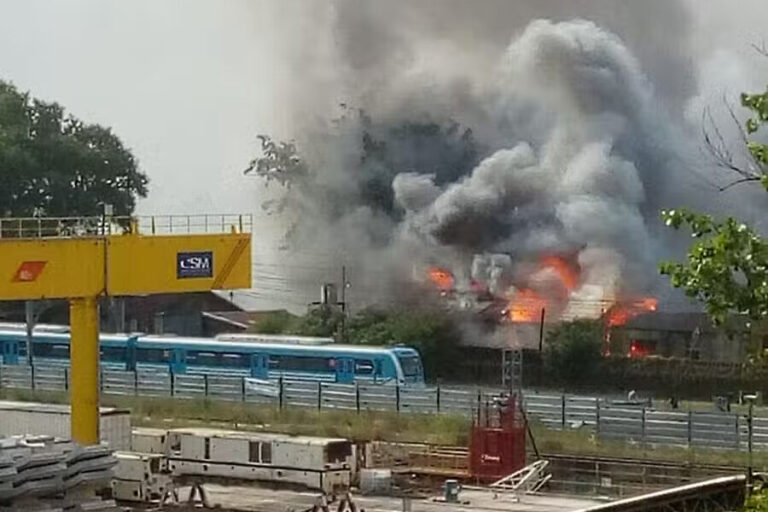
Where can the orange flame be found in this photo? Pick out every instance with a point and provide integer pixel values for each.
(565, 272)
(620, 314)
(526, 306)
(440, 278)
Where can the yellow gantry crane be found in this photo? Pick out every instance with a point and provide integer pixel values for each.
(83, 259)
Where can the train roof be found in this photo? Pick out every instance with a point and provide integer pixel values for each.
(5, 333)
(278, 338)
(203, 343)
(211, 343)
(38, 328)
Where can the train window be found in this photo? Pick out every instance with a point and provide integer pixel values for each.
(207, 448)
(46, 350)
(202, 358)
(238, 360)
(303, 364)
(411, 365)
(152, 355)
(363, 366)
(112, 354)
(253, 451)
(266, 453)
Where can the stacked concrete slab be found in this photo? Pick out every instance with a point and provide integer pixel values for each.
(42, 473)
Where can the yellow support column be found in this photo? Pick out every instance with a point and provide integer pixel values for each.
(84, 374)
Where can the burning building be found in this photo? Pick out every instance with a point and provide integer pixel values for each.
(526, 179)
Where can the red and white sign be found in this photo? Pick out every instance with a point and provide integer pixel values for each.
(29, 271)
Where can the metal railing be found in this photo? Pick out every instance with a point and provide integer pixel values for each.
(66, 227)
(279, 393)
(194, 224)
(641, 425)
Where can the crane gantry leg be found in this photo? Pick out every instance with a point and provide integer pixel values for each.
(84, 374)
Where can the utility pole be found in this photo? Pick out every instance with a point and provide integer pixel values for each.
(343, 302)
(541, 347)
(541, 330)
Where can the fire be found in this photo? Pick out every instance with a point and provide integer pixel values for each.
(619, 314)
(526, 306)
(565, 272)
(440, 278)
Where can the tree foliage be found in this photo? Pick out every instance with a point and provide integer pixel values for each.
(573, 350)
(53, 164)
(727, 267)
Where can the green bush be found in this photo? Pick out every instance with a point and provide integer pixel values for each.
(573, 351)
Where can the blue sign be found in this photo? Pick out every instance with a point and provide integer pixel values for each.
(194, 264)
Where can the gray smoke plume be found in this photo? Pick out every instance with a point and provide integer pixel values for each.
(465, 151)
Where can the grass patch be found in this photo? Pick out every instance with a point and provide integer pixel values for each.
(585, 443)
(377, 426)
(381, 426)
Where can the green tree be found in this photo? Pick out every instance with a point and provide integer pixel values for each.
(727, 268)
(274, 322)
(573, 351)
(322, 321)
(53, 164)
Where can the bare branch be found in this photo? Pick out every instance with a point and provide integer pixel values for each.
(719, 149)
(761, 48)
(739, 182)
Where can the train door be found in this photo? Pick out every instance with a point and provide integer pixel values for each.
(259, 366)
(10, 352)
(345, 370)
(130, 354)
(178, 361)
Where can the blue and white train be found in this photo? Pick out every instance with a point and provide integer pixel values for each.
(257, 356)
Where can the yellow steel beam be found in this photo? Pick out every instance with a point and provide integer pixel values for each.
(84, 374)
(140, 265)
(57, 268)
(84, 268)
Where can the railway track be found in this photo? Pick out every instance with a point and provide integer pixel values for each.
(452, 461)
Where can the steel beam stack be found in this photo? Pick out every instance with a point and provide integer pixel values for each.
(42, 473)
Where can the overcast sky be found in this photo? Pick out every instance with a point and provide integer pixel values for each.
(188, 84)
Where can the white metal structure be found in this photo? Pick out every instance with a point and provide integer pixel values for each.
(149, 440)
(313, 462)
(140, 477)
(525, 481)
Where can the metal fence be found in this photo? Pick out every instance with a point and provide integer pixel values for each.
(646, 425)
(280, 393)
(55, 227)
(643, 425)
